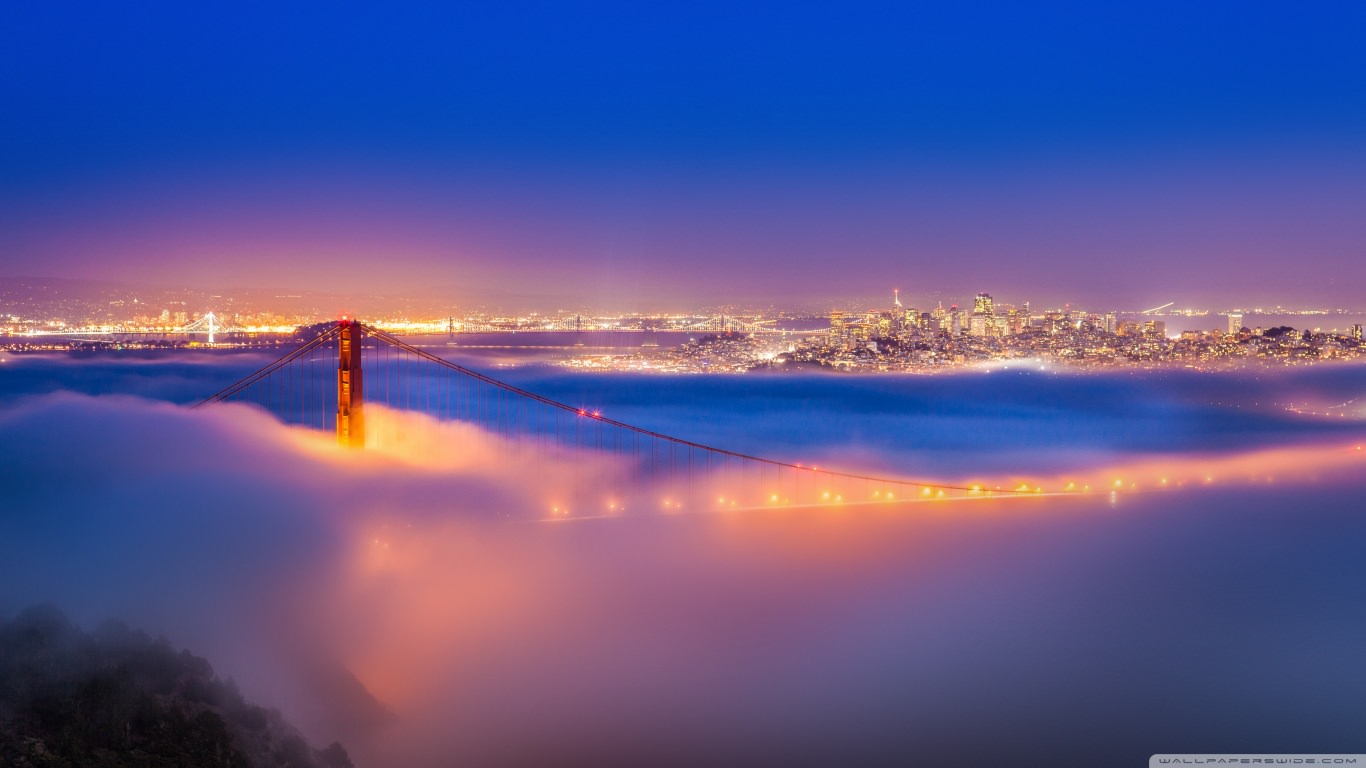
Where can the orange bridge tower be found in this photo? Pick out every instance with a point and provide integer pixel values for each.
(350, 386)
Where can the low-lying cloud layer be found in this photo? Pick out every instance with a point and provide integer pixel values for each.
(1209, 618)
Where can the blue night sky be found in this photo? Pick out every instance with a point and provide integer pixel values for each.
(692, 153)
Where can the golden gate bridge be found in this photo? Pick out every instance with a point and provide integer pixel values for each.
(327, 382)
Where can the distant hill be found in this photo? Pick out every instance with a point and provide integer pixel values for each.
(116, 698)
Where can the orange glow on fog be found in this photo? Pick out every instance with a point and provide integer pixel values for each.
(415, 610)
(399, 439)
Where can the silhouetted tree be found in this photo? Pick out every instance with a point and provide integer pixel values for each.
(116, 698)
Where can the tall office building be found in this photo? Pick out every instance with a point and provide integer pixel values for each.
(1235, 323)
(1356, 331)
(982, 305)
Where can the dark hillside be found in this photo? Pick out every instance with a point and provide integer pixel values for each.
(116, 697)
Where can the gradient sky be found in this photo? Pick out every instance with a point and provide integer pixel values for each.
(642, 154)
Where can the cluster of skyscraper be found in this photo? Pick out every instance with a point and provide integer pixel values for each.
(901, 338)
(988, 319)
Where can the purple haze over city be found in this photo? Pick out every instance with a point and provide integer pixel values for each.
(662, 159)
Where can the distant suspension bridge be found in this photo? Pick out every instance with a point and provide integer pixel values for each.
(211, 327)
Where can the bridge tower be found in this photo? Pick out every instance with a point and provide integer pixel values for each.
(350, 386)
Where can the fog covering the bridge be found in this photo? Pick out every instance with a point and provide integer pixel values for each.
(1211, 618)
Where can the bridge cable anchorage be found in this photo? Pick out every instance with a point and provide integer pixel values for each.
(675, 441)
